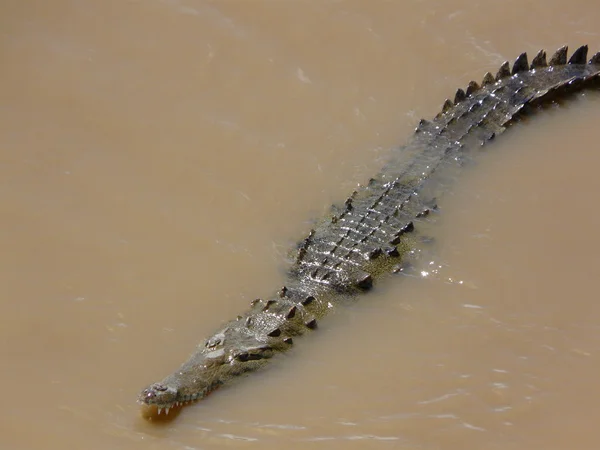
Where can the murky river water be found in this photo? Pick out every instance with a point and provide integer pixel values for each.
(160, 158)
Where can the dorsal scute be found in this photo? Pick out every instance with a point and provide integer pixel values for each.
(503, 71)
(539, 60)
(460, 96)
(472, 87)
(445, 108)
(521, 64)
(448, 104)
(488, 79)
(560, 57)
(579, 56)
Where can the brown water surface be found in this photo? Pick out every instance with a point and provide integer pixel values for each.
(158, 160)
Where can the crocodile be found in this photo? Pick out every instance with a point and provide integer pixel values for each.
(373, 232)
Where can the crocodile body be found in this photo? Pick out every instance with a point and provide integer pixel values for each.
(373, 231)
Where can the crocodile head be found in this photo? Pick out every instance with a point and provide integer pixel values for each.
(199, 376)
(211, 366)
(191, 382)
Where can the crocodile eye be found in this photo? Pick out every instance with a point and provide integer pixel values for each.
(213, 342)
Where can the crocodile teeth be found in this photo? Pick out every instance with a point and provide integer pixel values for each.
(159, 410)
(167, 410)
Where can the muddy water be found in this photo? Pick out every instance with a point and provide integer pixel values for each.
(158, 160)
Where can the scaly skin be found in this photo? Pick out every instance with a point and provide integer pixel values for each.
(370, 235)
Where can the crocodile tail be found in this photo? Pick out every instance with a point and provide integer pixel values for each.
(530, 85)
